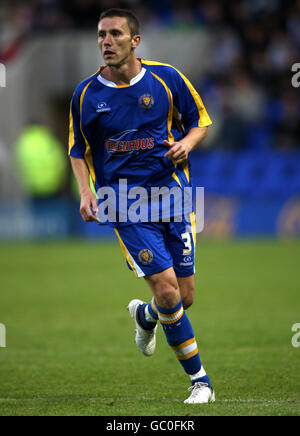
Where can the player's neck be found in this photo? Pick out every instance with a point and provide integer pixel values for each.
(123, 74)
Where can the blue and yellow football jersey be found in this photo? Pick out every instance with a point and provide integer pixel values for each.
(119, 130)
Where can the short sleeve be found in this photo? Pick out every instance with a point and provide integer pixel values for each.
(77, 146)
(189, 104)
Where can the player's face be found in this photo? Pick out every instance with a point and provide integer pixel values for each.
(115, 41)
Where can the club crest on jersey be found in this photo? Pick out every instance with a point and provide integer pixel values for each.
(146, 101)
(145, 256)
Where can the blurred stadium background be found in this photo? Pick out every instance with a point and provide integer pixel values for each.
(239, 56)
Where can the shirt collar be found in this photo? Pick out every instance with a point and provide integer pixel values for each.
(133, 81)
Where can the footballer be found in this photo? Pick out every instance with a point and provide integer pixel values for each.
(138, 120)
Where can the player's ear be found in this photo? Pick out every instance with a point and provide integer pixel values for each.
(136, 39)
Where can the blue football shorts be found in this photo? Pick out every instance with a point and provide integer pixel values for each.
(150, 248)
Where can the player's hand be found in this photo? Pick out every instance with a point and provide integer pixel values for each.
(178, 151)
(89, 207)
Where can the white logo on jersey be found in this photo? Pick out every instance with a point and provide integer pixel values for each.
(103, 107)
(122, 135)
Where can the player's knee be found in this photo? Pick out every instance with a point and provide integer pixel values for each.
(188, 297)
(166, 293)
(165, 289)
(168, 298)
(188, 301)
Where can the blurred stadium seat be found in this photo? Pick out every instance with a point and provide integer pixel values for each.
(248, 173)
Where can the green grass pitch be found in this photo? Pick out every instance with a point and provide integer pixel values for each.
(70, 347)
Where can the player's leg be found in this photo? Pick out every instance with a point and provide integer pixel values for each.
(165, 280)
(144, 248)
(155, 264)
(181, 244)
(186, 287)
(165, 288)
(148, 312)
(178, 329)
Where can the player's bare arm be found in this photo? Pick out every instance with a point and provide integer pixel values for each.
(88, 204)
(179, 151)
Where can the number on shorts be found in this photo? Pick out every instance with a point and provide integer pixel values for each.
(187, 243)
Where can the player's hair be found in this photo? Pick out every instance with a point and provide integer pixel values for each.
(133, 22)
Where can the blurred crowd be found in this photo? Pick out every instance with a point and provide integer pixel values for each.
(256, 42)
(247, 86)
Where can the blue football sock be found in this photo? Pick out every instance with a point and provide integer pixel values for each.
(180, 336)
(142, 318)
(151, 311)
